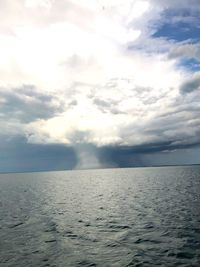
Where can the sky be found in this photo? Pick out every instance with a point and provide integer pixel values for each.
(97, 84)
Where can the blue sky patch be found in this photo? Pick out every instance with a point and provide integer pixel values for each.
(178, 32)
(190, 64)
(179, 25)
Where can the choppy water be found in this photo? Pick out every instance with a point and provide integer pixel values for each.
(117, 217)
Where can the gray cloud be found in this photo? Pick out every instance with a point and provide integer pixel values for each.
(155, 154)
(27, 104)
(191, 85)
(192, 5)
(186, 50)
(21, 156)
(108, 106)
(18, 156)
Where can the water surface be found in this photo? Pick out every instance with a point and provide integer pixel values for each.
(114, 217)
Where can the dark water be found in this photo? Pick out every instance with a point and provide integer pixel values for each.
(116, 217)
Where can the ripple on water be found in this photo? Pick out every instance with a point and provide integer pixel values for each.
(50, 241)
(86, 263)
(118, 227)
(15, 225)
(51, 227)
(70, 234)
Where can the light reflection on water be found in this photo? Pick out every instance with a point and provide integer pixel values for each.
(116, 217)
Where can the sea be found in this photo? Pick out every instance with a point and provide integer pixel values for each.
(108, 217)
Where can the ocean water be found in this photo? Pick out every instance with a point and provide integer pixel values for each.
(114, 217)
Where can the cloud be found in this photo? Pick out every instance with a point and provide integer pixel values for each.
(27, 104)
(149, 155)
(192, 5)
(19, 156)
(187, 51)
(93, 74)
(191, 85)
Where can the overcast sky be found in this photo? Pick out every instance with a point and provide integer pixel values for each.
(98, 83)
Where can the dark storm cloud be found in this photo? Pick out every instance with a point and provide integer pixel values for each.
(146, 155)
(126, 156)
(17, 156)
(191, 84)
(26, 104)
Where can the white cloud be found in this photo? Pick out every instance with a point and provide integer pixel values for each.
(39, 3)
